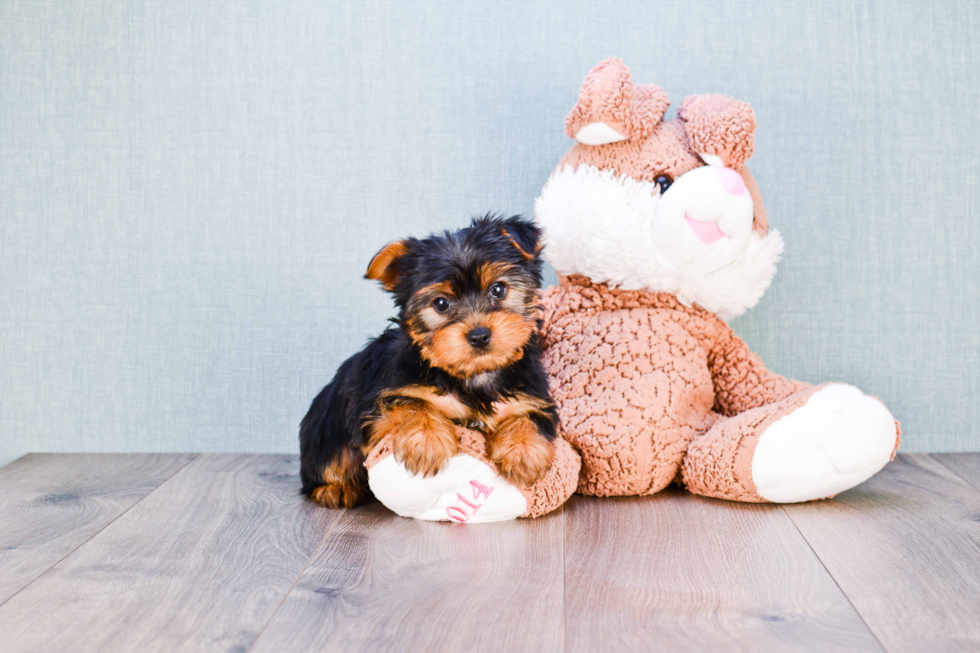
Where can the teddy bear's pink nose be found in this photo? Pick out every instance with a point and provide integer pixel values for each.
(731, 181)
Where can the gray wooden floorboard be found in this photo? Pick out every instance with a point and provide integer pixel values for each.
(905, 549)
(156, 553)
(50, 504)
(384, 583)
(964, 465)
(200, 564)
(678, 572)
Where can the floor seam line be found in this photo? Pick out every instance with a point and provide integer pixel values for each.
(101, 530)
(953, 471)
(836, 584)
(298, 577)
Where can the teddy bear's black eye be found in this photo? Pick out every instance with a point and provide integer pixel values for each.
(664, 181)
(498, 290)
(441, 304)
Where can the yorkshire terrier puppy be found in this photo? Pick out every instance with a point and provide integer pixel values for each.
(466, 351)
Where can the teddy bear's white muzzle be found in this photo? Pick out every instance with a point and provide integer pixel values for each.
(703, 220)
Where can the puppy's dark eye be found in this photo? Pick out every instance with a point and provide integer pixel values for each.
(664, 181)
(441, 304)
(498, 290)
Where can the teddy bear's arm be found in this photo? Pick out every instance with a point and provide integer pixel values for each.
(741, 379)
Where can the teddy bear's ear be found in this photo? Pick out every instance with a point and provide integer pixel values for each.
(611, 109)
(722, 130)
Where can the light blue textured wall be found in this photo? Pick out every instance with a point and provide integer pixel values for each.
(190, 191)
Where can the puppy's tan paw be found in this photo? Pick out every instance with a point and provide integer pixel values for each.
(425, 451)
(521, 452)
(422, 439)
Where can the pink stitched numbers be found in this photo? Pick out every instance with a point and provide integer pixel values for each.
(458, 511)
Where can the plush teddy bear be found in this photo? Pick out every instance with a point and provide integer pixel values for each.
(658, 233)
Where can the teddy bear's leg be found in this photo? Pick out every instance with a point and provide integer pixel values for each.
(811, 445)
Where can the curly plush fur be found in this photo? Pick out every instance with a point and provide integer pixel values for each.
(658, 233)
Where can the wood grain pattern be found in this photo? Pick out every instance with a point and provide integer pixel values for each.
(678, 572)
(200, 564)
(964, 465)
(381, 582)
(905, 549)
(225, 555)
(50, 504)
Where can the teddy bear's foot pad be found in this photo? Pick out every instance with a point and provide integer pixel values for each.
(838, 439)
(469, 489)
(466, 490)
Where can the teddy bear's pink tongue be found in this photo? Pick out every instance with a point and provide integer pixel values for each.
(709, 232)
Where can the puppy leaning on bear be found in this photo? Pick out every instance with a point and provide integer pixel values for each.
(465, 352)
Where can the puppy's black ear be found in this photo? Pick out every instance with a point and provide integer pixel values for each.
(524, 235)
(385, 265)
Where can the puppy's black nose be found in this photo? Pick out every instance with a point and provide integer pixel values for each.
(479, 337)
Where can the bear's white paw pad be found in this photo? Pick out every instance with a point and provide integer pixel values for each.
(466, 490)
(838, 439)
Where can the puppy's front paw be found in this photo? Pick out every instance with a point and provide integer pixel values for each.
(422, 439)
(521, 452)
(426, 451)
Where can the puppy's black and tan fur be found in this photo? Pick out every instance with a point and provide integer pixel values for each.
(466, 351)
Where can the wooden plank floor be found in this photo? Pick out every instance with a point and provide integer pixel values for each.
(219, 552)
